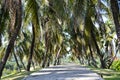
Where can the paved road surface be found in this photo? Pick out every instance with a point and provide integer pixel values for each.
(64, 72)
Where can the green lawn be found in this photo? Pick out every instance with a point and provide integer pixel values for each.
(19, 75)
(107, 74)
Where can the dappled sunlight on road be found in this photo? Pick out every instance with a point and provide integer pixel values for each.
(64, 72)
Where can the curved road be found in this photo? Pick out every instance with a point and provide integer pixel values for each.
(64, 72)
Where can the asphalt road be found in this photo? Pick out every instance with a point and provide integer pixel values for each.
(64, 72)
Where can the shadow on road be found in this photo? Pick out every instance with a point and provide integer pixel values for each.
(64, 72)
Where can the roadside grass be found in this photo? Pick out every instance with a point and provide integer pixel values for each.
(107, 74)
(19, 75)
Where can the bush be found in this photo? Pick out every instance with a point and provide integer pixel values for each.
(116, 65)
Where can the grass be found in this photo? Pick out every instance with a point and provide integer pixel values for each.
(19, 75)
(112, 77)
(107, 74)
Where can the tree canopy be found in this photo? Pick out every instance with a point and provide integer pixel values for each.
(43, 32)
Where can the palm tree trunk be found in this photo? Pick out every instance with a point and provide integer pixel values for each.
(57, 56)
(44, 60)
(59, 61)
(31, 49)
(78, 57)
(14, 36)
(33, 65)
(115, 13)
(46, 52)
(49, 59)
(16, 61)
(48, 62)
(114, 57)
(22, 63)
(98, 50)
(91, 55)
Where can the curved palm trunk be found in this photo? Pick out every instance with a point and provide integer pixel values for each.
(46, 52)
(14, 36)
(31, 49)
(98, 50)
(115, 13)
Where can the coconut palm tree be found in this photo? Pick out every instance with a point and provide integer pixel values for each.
(115, 13)
(57, 25)
(15, 32)
(31, 49)
(31, 14)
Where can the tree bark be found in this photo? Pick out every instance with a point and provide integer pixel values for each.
(59, 61)
(115, 13)
(33, 65)
(114, 57)
(57, 56)
(14, 36)
(98, 50)
(44, 60)
(16, 61)
(46, 52)
(48, 62)
(31, 49)
(91, 55)
(22, 64)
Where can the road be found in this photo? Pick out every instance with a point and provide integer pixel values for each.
(64, 72)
